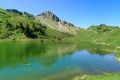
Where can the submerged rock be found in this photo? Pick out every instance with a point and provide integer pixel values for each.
(41, 41)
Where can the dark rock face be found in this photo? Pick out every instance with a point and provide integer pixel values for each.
(66, 23)
(21, 13)
(50, 15)
(14, 11)
(28, 15)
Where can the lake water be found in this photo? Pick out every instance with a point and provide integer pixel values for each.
(35, 61)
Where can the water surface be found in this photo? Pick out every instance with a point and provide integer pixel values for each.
(35, 61)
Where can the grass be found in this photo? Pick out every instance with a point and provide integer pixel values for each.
(106, 76)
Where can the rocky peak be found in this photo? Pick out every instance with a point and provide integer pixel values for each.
(50, 15)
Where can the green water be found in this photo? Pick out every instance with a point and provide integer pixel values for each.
(36, 61)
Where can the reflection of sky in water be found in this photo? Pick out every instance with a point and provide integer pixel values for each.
(76, 63)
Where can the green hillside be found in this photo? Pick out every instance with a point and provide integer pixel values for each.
(106, 34)
(14, 25)
(22, 25)
(101, 28)
(19, 25)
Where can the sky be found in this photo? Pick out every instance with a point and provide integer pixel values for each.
(82, 13)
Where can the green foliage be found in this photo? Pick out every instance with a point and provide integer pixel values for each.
(13, 24)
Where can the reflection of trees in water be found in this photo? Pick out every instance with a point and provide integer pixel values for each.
(53, 52)
(99, 51)
(13, 53)
(117, 56)
(19, 53)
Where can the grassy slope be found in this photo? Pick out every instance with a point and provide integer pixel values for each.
(107, 76)
(15, 26)
(107, 34)
(11, 25)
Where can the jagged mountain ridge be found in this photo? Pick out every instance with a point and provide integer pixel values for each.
(53, 17)
(51, 20)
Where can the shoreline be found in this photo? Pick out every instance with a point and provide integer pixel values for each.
(104, 76)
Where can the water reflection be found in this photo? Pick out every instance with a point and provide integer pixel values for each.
(15, 53)
(19, 53)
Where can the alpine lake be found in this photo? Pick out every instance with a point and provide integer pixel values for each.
(54, 61)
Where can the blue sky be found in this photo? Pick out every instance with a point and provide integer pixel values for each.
(81, 13)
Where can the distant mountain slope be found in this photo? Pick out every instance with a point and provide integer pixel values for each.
(101, 28)
(15, 24)
(52, 21)
(104, 34)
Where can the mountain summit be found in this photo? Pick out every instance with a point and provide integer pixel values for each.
(54, 22)
(50, 15)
